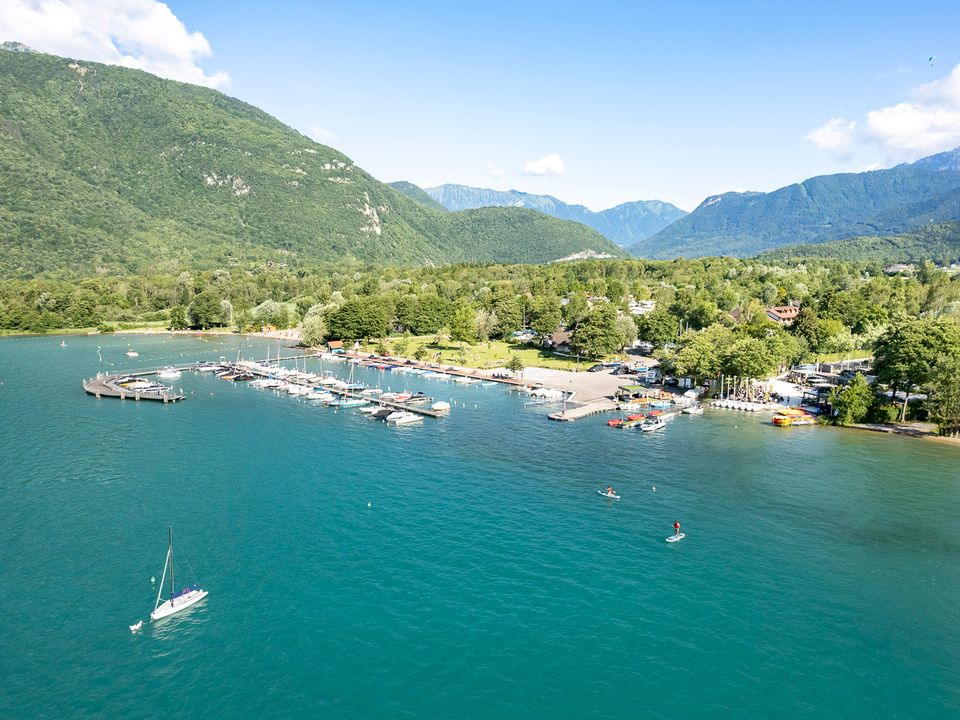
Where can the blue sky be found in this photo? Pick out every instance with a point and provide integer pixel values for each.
(641, 100)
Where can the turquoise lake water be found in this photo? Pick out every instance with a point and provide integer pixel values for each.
(820, 576)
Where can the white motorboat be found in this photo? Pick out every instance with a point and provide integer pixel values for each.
(464, 380)
(653, 423)
(169, 373)
(693, 410)
(403, 417)
(440, 406)
(179, 599)
(132, 353)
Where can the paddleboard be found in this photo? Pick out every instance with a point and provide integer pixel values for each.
(601, 493)
(676, 538)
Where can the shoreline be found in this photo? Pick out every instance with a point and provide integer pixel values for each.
(587, 387)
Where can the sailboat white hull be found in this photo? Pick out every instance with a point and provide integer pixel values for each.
(177, 604)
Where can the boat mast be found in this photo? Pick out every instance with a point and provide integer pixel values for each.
(172, 584)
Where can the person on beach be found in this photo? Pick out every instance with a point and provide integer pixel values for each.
(676, 528)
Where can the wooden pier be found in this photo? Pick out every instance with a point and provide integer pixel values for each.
(576, 411)
(107, 386)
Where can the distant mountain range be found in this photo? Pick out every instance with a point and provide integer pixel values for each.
(829, 207)
(624, 224)
(108, 169)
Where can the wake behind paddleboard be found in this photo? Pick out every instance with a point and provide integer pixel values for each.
(676, 538)
(601, 493)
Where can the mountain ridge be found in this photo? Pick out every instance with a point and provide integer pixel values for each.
(623, 224)
(818, 209)
(111, 169)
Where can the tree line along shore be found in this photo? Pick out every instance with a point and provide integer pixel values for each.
(701, 317)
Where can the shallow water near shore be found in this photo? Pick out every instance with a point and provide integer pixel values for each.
(820, 575)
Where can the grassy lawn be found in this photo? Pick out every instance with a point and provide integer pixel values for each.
(492, 354)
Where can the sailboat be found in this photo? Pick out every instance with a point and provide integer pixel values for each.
(179, 599)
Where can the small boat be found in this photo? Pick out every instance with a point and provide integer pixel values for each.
(403, 417)
(382, 414)
(789, 417)
(651, 424)
(636, 416)
(169, 373)
(369, 409)
(488, 383)
(371, 392)
(132, 353)
(604, 493)
(353, 402)
(616, 422)
(419, 399)
(440, 406)
(693, 410)
(464, 380)
(179, 599)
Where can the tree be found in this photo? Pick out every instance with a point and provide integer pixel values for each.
(627, 329)
(904, 355)
(420, 353)
(178, 317)
(943, 391)
(575, 309)
(508, 312)
(313, 329)
(658, 327)
(747, 357)
(205, 310)
(807, 326)
(851, 403)
(700, 355)
(463, 327)
(403, 344)
(544, 314)
(597, 335)
(357, 319)
(270, 312)
(515, 365)
(485, 322)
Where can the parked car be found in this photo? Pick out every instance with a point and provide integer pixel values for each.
(623, 370)
(596, 368)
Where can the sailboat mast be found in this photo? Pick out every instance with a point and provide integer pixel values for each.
(172, 583)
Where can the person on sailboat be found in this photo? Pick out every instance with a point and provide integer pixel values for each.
(676, 528)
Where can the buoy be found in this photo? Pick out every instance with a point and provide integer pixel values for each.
(152, 579)
(654, 488)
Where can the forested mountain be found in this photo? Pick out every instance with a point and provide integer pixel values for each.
(830, 207)
(939, 243)
(107, 169)
(417, 193)
(624, 224)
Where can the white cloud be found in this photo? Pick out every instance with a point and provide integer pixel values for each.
(927, 123)
(495, 171)
(550, 164)
(320, 134)
(836, 135)
(143, 34)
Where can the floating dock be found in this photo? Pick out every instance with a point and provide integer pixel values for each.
(576, 411)
(107, 386)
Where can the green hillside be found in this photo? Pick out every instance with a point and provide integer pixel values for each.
(417, 193)
(106, 169)
(939, 243)
(830, 207)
